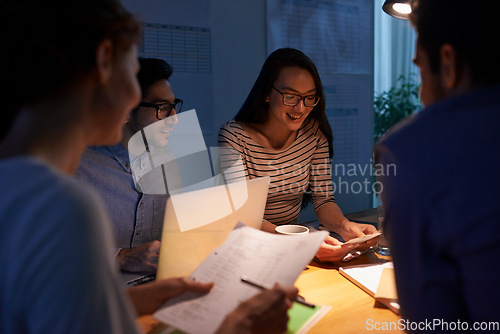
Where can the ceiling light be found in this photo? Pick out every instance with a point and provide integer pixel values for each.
(400, 9)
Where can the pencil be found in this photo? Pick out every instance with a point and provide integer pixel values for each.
(298, 299)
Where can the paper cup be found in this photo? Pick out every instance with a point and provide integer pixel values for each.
(291, 229)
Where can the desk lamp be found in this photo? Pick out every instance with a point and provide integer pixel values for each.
(398, 8)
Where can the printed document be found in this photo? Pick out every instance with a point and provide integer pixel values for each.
(263, 257)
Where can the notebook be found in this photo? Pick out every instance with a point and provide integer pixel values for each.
(199, 221)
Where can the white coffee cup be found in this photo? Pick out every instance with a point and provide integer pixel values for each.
(291, 229)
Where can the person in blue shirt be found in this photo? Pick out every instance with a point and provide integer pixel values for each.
(442, 202)
(136, 215)
(69, 82)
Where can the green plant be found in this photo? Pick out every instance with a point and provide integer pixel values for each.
(395, 104)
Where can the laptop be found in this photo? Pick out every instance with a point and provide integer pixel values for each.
(198, 221)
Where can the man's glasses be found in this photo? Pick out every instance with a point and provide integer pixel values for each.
(163, 110)
(293, 99)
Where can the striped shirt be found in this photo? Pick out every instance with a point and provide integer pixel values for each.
(303, 166)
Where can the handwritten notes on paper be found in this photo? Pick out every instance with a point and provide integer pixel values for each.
(264, 257)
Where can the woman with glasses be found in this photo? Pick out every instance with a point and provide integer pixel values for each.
(137, 215)
(282, 131)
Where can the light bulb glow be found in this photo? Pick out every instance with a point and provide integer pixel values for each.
(402, 8)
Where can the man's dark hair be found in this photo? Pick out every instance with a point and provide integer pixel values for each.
(152, 70)
(471, 27)
(48, 45)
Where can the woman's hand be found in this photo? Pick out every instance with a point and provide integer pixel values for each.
(351, 230)
(149, 297)
(333, 250)
(333, 219)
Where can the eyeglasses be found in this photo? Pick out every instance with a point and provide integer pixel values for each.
(293, 99)
(163, 110)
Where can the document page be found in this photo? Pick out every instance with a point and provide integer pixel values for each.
(262, 257)
(367, 277)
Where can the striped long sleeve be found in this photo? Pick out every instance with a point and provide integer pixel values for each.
(303, 166)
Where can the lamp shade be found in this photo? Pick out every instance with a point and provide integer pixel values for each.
(400, 9)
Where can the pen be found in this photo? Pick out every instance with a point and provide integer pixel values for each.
(142, 280)
(298, 299)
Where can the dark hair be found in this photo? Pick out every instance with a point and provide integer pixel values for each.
(152, 70)
(469, 26)
(49, 44)
(255, 107)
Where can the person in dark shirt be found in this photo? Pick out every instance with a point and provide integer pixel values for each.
(442, 202)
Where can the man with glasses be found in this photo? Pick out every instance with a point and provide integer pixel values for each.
(137, 215)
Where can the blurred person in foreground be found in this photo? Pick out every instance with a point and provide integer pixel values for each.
(442, 205)
(69, 81)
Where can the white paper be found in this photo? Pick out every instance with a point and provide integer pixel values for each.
(363, 239)
(263, 257)
(367, 275)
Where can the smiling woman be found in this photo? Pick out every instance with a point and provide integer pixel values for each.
(282, 131)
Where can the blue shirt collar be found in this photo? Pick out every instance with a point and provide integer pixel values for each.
(118, 152)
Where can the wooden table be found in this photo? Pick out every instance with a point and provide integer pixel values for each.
(353, 310)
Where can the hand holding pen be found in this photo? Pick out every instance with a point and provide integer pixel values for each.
(264, 313)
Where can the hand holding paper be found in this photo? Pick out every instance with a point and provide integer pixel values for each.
(267, 258)
(148, 298)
